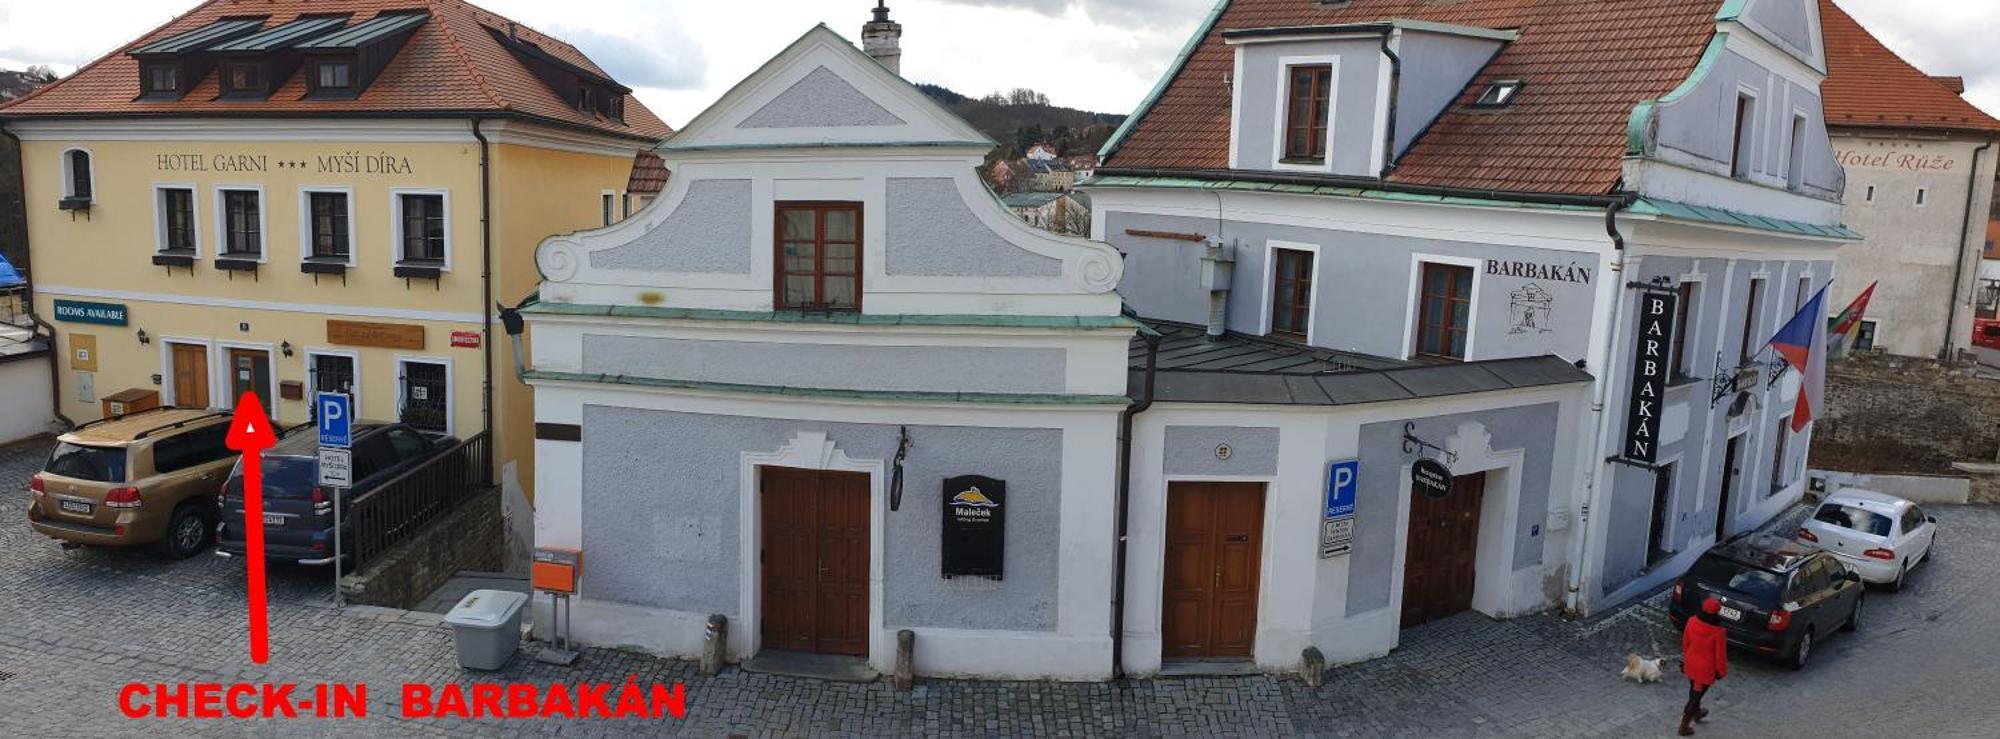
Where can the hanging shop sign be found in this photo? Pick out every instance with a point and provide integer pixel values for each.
(975, 526)
(77, 311)
(1649, 375)
(1431, 478)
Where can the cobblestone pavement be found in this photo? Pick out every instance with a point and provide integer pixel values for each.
(77, 625)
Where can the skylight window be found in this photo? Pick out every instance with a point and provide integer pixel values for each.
(1499, 94)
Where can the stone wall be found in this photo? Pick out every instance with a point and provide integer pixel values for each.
(1904, 415)
(470, 538)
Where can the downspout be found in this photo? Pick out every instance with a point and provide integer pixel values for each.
(1122, 541)
(28, 296)
(1395, 91)
(1958, 270)
(486, 273)
(1578, 549)
(510, 319)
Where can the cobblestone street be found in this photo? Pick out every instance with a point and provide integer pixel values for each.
(80, 624)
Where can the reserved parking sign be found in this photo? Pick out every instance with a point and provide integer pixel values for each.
(336, 420)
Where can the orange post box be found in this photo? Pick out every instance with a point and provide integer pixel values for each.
(556, 569)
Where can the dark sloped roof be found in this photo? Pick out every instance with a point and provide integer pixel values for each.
(1586, 64)
(1869, 85)
(203, 37)
(1233, 368)
(284, 36)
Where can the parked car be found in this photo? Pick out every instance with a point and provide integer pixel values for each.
(1778, 596)
(1880, 536)
(144, 478)
(298, 513)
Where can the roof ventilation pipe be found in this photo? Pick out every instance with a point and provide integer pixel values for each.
(1218, 268)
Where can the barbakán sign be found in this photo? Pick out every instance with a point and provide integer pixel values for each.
(1649, 375)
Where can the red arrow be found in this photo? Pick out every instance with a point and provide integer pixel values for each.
(250, 433)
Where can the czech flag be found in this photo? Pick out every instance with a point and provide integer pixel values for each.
(1802, 342)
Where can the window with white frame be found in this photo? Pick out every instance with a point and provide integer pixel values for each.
(1745, 138)
(79, 177)
(1795, 172)
(421, 228)
(176, 224)
(329, 226)
(1308, 105)
(242, 223)
(608, 199)
(424, 401)
(332, 373)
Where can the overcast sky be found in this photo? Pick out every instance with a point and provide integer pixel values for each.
(1100, 55)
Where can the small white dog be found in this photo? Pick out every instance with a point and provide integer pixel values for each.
(1641, 670)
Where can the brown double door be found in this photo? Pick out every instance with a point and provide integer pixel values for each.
(1439, 571)
(1215, 542)
(815, 561)
(190, 375)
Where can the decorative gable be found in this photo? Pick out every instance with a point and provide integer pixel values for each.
(825, 184)
(821, 100)
(823, 91)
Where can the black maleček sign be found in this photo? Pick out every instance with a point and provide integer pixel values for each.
(1649, 375)
(975, 526)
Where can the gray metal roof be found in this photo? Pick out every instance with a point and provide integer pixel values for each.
(284, 36)
(366, 32)
(1234, 368)
(203, 37)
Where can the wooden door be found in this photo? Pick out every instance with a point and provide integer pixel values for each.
(190, 363)
(250, 372)
(815, 561)
(1443, 555)
(1215, 544)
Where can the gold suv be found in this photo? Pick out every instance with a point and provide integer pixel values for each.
(146, 478)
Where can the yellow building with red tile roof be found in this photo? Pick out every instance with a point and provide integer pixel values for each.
(286, 197)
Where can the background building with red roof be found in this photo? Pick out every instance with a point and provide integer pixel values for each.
(284, 197)
(1920, 172)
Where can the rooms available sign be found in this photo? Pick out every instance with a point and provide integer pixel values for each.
(1649, 375)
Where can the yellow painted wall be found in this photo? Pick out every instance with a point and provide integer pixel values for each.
(543, 192)
(105, 256)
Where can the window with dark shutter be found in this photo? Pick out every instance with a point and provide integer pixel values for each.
(1444, 312)
(80, 185)
(819, 257)
(1306, 113)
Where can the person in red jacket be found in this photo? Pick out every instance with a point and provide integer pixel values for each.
(1704, 659)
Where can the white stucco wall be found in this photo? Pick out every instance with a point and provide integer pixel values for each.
(25, 408)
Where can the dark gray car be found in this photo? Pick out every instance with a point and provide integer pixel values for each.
(298, 513)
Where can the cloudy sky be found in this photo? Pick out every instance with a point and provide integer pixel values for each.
(1098, 55)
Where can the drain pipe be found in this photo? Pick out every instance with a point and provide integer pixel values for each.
(486, 272)
(28, 298)
(1580, 533)
(1958, 270)
(1389, 38)
(1122, 542)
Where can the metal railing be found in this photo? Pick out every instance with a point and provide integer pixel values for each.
(387, 515)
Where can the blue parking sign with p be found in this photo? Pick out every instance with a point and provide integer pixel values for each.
(336, 420)
(1342, 480)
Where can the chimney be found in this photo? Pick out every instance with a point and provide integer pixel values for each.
(883, 39)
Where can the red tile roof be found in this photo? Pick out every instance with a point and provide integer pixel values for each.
(1586, 64)
(649, 174)
(452, 64)
(1867, 85)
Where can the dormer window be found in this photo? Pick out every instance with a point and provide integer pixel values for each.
(163, 80)
(334, 75)
(583, 99)
(1498, 95)
(1306, 112)
(243, 78)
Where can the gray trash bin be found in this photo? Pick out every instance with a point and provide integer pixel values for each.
(487, 627)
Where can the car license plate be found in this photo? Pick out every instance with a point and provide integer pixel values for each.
(274, 519)
(1732, 614)
(75, 506)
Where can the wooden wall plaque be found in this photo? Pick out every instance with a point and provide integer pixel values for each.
(378, 335)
